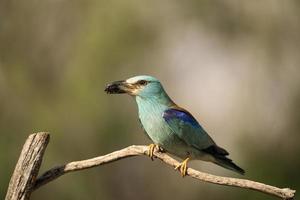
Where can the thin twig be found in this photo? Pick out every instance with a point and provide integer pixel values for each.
(136, 150)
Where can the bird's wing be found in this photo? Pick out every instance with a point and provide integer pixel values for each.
(186, 127)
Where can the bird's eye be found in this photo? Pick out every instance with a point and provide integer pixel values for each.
(142, 82)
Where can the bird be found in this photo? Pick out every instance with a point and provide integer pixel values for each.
(170, 127)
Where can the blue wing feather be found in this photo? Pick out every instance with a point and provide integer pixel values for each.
(186, 127)
(186, 117)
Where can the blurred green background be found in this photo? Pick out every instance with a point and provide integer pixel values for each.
(233, 64)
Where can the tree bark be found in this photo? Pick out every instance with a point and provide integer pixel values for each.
(27, 168)
(24, 181)
(137, 150)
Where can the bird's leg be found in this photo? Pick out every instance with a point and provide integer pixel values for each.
(182, 167)
(151, 150)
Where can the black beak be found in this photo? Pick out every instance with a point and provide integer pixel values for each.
(117, 87)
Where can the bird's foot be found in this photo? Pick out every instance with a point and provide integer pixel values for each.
(182, 167)
(151, 150)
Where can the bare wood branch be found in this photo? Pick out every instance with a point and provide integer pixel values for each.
(134, 150)
(27, 168)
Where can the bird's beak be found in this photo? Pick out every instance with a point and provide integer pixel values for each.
(120, 87)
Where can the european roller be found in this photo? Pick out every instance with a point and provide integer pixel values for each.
(169, 126)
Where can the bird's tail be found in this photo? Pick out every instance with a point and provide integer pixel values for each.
(228, 164)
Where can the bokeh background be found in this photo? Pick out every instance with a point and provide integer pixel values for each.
(233, 64)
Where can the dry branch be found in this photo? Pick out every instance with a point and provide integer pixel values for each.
(27, 168)
(134, 150)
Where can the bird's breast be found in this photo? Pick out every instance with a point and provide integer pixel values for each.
(154, 124)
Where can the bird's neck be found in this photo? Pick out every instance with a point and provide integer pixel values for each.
(157, 103)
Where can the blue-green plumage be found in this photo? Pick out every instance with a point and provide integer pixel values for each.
(169, 126)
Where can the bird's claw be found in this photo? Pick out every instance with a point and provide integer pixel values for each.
(150, 152)
(182, 167)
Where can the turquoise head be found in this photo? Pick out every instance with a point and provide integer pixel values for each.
(142, 87)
